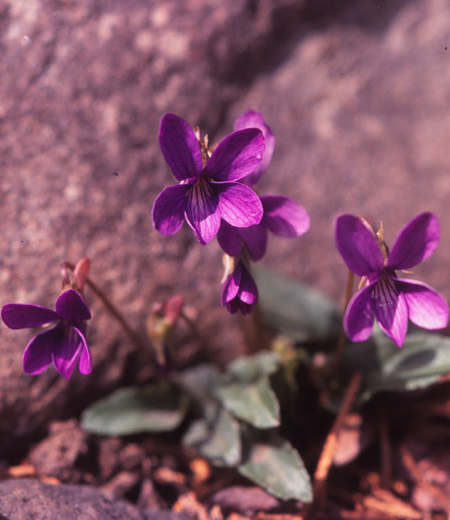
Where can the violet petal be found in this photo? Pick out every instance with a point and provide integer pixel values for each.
(38, 353)
(253, 119)
(231, 285)
(180, 147)
(24, 315)
(390, 309)
(358, 318)
(238, 204)
(248, 291)
(416, 242)
(202, 213)
(426, 307)
(168, 209)
(228, 238)
(71, 306)
(284, 217)
(66, 353)
(239, 154)
(255, 239)
(85, 355)
(357, 246)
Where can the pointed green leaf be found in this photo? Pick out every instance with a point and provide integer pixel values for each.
(200, 382)
(277, 467)
(300, 312)
(255, 403)
(154, 408)
(246, 369)
(220, 442)
(420, 362)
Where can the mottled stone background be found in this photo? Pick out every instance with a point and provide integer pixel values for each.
(356, 91)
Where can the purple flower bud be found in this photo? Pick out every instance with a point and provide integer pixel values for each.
(239, 291)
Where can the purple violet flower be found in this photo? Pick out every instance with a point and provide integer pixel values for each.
(239, 291)
(391, 300)
(208, 189)
(282, 216)
(63, 344)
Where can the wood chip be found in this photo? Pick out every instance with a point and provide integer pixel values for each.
(385, 502)
(24, 470)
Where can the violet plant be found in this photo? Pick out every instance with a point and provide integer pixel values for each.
(63, 344)
(239, 411)
(382, 295)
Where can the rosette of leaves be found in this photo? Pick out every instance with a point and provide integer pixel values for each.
(236, 422)
(238, 425)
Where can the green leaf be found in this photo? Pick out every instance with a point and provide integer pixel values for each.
(277, 467)
(255, 403)
(300, 312)
(220, 442)
(154, 408)
(246, 369)
(421, 361)
(201, 382)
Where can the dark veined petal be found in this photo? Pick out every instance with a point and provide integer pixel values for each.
(24, 315)
(85, 355)
(65, 355)
(228, 238)
(38, 353)
(238, 204)
(284, 217)
(358, 246)
(180, 147)
(358, 318)
(416, 242)
(239, 154)
(255, 239)
(71, 306)
(202, 213)
(169, 208)
(426, 307)
(390, 309)
(253, 119)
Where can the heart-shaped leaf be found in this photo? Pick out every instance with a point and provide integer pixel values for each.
(277, 467)
(300, 312)
(255, 403)
(219, 442)
(154, 408)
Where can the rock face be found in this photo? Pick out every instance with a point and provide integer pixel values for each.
(359, 110)
(356, 94)
(84, 86)
(30, 499)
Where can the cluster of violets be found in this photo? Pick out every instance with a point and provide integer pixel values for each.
(215, 197)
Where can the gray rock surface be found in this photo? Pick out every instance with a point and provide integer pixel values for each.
(28, 499)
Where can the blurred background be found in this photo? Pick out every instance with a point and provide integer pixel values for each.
(356, 92)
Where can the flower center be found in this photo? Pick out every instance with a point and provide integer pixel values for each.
(384, 293)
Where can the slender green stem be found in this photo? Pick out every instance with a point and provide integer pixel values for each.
(342, 337)
(116, 314)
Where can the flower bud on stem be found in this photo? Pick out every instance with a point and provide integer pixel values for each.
(80, 275)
